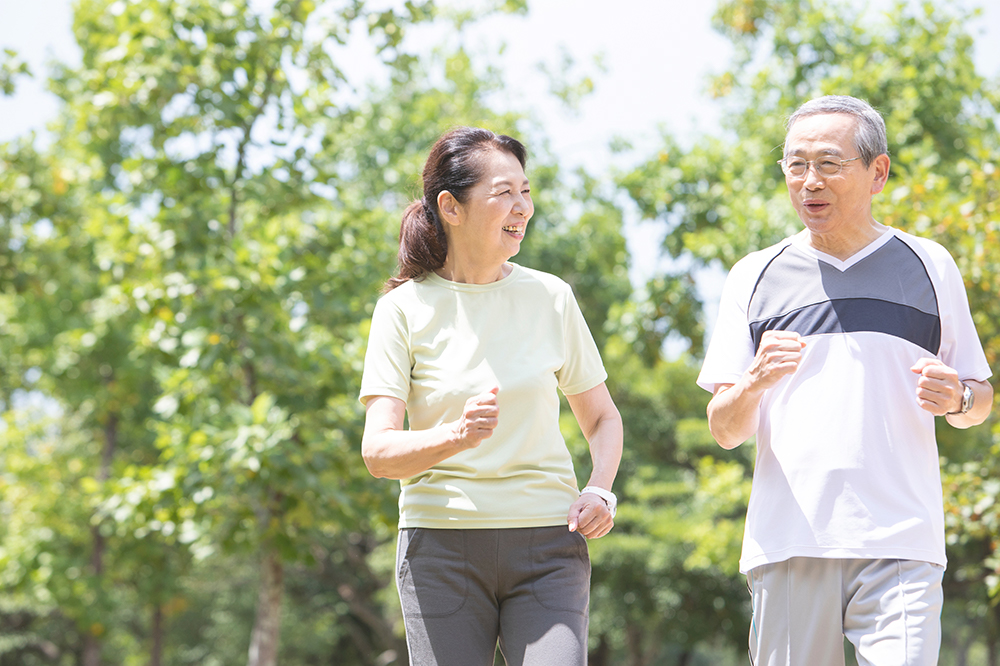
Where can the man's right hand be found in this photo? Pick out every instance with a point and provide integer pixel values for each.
(778, 355)
(734, 410)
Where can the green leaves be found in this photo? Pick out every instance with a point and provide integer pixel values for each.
(724, 196)
(11, 66)
(187, 272)
(186, 276)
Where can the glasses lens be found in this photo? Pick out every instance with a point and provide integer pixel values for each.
(825, 167)
(828, 167)
(796, 168)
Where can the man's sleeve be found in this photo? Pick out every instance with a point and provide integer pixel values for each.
(730, 351)
(961, 347)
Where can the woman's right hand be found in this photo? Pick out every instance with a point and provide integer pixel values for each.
(394, 453)
(479, 418)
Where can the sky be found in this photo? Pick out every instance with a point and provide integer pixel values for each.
(656, 58)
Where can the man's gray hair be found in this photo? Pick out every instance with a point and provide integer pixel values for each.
(869, 134)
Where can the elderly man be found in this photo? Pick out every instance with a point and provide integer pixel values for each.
(837, 347)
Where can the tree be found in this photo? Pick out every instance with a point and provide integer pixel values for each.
(659, 595)
(193, 262)
(724, 197)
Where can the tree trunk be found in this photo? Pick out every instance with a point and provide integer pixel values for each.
(156, 651)
(636, 656)
(267, 626)
(600, 655)
(91, 643)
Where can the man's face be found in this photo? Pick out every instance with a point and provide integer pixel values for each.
(834, 207)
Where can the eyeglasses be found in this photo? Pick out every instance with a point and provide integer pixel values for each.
(796, 167)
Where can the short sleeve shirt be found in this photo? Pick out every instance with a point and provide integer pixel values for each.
(847, 462)
(434, 344)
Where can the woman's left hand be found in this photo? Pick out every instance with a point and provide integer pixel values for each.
(590, 516)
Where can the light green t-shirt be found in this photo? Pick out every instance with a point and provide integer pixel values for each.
(434, 344)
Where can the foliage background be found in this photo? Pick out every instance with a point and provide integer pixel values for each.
(191, 252)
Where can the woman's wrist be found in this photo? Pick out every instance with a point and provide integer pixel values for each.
(609, 497)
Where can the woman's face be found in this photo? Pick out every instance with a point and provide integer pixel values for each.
(495, 215)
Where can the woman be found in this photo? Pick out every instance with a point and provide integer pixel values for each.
(472, 347)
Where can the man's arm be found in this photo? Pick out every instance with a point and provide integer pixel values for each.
(733, 414)
(981, 407)
(940, 391)
(734, 410)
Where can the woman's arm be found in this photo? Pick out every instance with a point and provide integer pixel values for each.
(394, 453)
(601, 424)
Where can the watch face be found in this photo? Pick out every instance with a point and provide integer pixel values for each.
(968, 398)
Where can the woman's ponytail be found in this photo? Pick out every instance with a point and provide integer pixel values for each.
(422, 244)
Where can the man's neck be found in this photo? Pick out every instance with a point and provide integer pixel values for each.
(845, 247)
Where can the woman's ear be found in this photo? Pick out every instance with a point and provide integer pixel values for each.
(450, 208)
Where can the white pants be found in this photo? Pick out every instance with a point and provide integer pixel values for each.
(803, 607)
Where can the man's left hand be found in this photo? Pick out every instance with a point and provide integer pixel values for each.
(939, 390)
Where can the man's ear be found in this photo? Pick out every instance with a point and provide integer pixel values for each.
(881, 165)
(450, 208)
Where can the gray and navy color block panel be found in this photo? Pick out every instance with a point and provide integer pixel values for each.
(889, 291)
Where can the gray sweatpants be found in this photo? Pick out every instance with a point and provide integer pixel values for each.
(462, 591)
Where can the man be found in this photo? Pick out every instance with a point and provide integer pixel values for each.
(837, 347)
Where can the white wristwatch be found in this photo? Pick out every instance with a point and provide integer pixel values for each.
(609, 497)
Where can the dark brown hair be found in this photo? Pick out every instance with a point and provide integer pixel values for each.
(454, 165)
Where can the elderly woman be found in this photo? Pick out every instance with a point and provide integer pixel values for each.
(492, 528)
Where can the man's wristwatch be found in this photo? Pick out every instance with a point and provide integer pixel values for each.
(968, 399)
(609, 497)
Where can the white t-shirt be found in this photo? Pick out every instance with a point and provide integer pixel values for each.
(847, 462)
(434, 344)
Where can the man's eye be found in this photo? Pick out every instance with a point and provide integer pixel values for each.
(797, 164)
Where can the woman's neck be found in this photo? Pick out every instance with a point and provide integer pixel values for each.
(470, 273)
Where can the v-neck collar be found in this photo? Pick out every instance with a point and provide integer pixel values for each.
(803, 245)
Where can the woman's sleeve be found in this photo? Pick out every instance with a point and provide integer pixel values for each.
(582, 369)
(387, 360)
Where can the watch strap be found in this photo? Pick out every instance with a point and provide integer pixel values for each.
(968, 399)
(609, 497)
